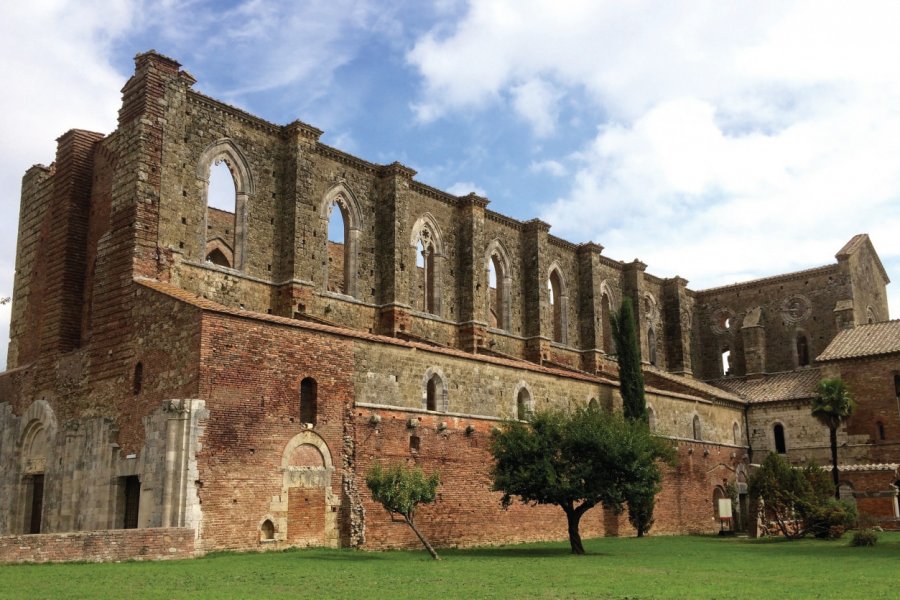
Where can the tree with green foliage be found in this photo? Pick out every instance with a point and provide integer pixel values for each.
(790, 496)
(576, 461)
(831, 406)
(631, 377)
(400, 490)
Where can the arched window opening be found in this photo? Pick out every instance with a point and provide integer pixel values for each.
(138, 380)
(651, 418)
(336, 250)
(308, 400)
(845, 493)
(780, 445)
(726, 362)
(523, 404)
(555, 287)
(435, 394)
(267, 530)
(697, 428)
(425, 270)
(736, 434)
(879, 430)
(802, 350)
(606, 322)
(651, 346)
(221, 202)
(414, 443)
(593, 404)
(497, 289)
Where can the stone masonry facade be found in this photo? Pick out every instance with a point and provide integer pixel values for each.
(235, 373)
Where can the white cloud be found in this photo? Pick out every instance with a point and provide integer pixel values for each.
(464, 188)
(553, 167)
(738, 139)
(55, 63)
(536, 101)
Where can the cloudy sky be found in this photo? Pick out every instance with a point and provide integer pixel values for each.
(719, 141)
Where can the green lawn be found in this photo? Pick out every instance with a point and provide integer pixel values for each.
(654, 567)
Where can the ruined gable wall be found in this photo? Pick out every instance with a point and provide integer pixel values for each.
(869, 293)
(799, 301)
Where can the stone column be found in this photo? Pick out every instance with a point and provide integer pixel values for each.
(393, 275)
(678, 321)
(535, 296)
(589, 309)
(472, 284)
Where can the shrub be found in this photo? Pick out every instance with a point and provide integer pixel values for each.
(864, 537)
(832, 519)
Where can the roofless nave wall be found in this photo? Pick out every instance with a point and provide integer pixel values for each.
(234, 372)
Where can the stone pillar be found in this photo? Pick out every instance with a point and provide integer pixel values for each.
(297, 216)
(634, 289)
(472, 283)
(589, 309)
(393, 274)
(535, 296)
(753, 335)
(678, 322)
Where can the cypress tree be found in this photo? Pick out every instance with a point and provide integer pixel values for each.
(631, 377)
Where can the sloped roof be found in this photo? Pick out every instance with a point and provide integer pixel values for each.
(871, 339)
(662, 380)
(773, 387)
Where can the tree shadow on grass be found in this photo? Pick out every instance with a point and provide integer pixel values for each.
(518, 552)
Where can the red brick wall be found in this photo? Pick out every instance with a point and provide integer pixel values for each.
(306, 516)
(99, 546)
(871, 383)
(468, 513)
(250, 377)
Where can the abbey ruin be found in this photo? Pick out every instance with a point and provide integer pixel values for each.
(185, 378)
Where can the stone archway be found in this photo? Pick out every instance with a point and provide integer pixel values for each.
(35, 446)
(307, 508)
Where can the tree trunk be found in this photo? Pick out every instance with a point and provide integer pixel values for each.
(574, 517)
(640, 532)
(832, 431)
(422, 539)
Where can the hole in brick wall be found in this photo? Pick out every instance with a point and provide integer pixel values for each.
(308, 400)
(138, 379)
(184, 193)
(414, 443)
(183, 221)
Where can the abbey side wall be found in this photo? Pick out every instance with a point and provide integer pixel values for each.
(186, 373)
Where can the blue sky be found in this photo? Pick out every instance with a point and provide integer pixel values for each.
(716, 141)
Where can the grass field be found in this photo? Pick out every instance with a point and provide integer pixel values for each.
(654, 567)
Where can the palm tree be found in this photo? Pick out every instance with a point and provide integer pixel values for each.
(831, 407)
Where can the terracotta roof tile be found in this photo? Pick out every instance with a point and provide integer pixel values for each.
(864, 340)
(773, 387)
(662, 380)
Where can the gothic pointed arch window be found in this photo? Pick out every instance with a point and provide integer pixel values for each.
(523, 404)
(651, 418)
(697, 428)
(340, 227)
(607, 305)
(499, 284)
(226, 185)
(651, 346)
(434, 397)
(426, 239)
(556, 289)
